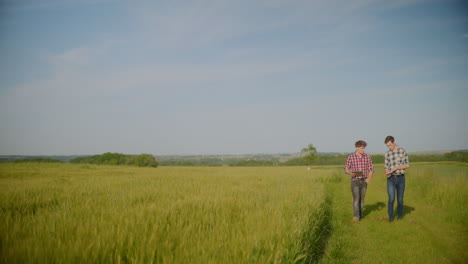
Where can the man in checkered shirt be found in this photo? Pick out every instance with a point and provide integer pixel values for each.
(396, 161)
(359, 166)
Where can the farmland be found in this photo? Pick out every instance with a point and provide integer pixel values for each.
(75, 213)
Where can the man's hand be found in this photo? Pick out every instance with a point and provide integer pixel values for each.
(388, 173)
(367, 180)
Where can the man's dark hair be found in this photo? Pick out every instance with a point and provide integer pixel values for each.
(389, 138)
(360, 143)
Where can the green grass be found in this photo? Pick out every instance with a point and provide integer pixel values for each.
(81, 213)
(64, 213)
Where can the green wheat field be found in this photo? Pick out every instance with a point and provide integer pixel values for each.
(65, 213)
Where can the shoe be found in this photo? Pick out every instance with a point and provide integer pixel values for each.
(355, 219)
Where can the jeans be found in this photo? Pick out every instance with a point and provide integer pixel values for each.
(397, 184)
(358, 189)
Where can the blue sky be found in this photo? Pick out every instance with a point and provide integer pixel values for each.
(231, 77)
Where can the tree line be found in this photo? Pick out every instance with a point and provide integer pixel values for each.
(319, 159)
(142, 160)
(309, 157)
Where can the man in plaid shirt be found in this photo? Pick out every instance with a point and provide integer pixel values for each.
(396, 161)
(359, 166)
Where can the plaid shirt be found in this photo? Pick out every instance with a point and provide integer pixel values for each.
(359, 163)
(396, 158)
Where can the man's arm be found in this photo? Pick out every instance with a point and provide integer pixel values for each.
(371, 171)
(400, 167)
(369, 177)
(346, 168)
(387, 164)
(347, 171)
(406, 160)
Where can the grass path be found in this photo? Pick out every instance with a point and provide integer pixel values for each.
(426, 234)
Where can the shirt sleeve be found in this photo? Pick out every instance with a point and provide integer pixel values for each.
(347, 164)
(387, 162)
(371, 166)
(405, 158)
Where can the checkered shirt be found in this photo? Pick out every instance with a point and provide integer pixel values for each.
(396, 158)
(359, 163)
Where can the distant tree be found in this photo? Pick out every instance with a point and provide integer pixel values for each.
(146, 160)
(310, 154)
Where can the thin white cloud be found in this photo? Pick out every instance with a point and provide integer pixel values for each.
(78, 56)
(427, 66)
(194, 23)
(400, 3)
(206, 22)
(71, 75)
(20, 5)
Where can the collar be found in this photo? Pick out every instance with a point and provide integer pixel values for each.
(357, 155)
(396, 149)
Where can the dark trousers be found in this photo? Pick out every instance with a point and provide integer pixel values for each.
(395, 183)
(358, 189)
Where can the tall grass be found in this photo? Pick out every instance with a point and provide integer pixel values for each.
(443, 188)
(63, 213)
